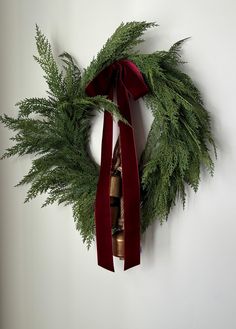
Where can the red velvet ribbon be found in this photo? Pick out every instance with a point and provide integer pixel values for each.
(124, 77)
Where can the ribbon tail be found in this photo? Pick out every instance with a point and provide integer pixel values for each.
(102, 203)
(130, 183)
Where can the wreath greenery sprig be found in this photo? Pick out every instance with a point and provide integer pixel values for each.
(57, 129)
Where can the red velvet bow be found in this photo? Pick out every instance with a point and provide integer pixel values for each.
(124, 77)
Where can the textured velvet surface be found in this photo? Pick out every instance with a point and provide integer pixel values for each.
(126, 80)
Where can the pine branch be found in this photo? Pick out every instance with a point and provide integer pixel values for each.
(72, 76)
(117, 46)
(42, 106)
(46, 60)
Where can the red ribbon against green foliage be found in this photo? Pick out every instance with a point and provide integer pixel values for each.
(126, 80)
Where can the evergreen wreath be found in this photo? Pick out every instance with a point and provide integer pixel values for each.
(56, 129)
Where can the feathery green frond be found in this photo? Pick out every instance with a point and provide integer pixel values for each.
(118, 46)
(47, 62)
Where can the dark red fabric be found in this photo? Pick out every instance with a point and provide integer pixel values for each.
(125, 78)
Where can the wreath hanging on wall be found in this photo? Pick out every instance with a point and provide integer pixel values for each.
(126, 196)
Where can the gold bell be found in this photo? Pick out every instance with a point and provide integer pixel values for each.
(115, 186)
(118, 244)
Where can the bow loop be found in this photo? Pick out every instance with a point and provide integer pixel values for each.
(123, 71)
(133, 79)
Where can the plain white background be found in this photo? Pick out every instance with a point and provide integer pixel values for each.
(187, 277)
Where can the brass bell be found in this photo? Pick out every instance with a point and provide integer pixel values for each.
(115, 186)
(118, 244)
(115, 210)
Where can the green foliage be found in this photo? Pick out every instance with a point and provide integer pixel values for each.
(46, 60)
(118, 46)
(179, 140)
(57, 129)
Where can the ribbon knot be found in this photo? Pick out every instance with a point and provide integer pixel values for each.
(124, 77)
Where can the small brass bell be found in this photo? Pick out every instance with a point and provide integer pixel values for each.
(118, 244)
(115, 186)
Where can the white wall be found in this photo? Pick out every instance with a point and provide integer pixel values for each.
(187, 277)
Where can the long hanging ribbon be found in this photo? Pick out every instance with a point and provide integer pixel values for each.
(124, 77)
